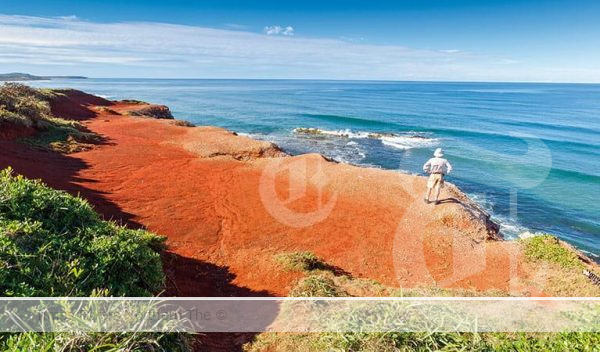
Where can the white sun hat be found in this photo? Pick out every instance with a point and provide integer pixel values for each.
(438, 153)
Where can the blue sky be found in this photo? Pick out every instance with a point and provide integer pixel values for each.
(529, 40)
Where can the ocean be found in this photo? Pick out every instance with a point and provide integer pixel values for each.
(533, 145)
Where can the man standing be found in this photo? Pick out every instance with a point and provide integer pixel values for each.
(437, 167)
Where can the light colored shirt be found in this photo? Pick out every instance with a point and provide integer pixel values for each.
(437, 166)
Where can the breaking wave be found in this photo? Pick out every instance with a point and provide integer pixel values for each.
(403, 141)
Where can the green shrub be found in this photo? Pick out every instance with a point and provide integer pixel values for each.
(54, 244)
(548, 248)
(24, 104)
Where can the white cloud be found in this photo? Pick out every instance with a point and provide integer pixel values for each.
(142, 49)
(68, 18)
(278, 30)
(450, 51)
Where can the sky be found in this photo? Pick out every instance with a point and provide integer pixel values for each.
(431, 40)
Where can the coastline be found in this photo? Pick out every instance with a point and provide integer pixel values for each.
(201, 187)
(468, 199)
(263, 111)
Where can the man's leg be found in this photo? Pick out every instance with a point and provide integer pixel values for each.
(428, 194)
(438, 187)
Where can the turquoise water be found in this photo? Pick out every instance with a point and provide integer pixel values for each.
(553, 172)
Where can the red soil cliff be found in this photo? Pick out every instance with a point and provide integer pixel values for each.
(228, 204)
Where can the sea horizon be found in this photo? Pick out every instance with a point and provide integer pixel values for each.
(323, 80)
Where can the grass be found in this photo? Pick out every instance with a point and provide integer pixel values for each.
(100, 342)
(317, 286)
(319, 283)
(64, 136)
(299, 261)
(374, 342)
(323, 283)
(25, 107)
(548, 248)
(560, 266)
(324, 278)
(54, 244)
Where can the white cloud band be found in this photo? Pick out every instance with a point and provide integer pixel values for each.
(145, 49)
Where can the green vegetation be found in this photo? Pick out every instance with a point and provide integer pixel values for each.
(64, 138)
(54, 244)
(299, 261)
(324, 281)
(18, 76)
(374, 342)
(317, 286)
(22, 105)
(549, 248)
(312, 131)
(559, 266)
(25, 107)
(100, 342)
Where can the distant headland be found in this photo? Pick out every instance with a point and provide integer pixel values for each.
(18, 76)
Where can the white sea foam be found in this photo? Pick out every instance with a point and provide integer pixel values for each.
(529, 234)
(589, 254)
(512, 230)
(403, 141)
(409, 142)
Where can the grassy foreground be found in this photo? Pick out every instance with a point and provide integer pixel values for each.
(54, 244)
(374, 342)
(319, 281)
